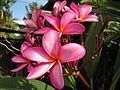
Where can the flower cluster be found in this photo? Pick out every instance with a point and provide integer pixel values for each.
(63, 20)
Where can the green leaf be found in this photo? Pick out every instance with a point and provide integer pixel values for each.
(95, 2)
(112, 37)
(69, 80)
(112, 9)
(19, 83)
(90, 44)
(115, 80)
(117, 62)
(112, 32)
(10, 89)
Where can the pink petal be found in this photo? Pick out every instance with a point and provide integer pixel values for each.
(74, 8)
(29, 67)
(66, 8)
(30, 39)
(37, 54)
(62, 5)
(53, 21)
(51, 42)
(43, 30)
(24, 46)
(84, 10)
(56, 76)
(74, 28)
(55, 11)
(66, 19)
(47, 13)
(35, 15)
(18, 59)
(19, 68)
(71, 52)
(39, 70)
(56, 4)
(40, 22)
(24, 29)
(91, 18)
(30, 24)
(28, 29)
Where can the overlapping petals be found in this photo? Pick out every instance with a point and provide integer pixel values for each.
(54, 21)
(22, 60)
(37, 54)
(35, 15)
(18, 59)
(83, 13)
(51, 48)
(56, 76)
(43, 30)
(63, 25)
(66, 19)
(58, 6)
(24, 46)
(36, 22)
(84, 10)
(51, 56)
(39, 70)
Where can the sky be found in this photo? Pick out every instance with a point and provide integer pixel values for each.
(18, 8)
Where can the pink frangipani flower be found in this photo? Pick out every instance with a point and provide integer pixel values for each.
(63, 26)
(21, 59)
(83, 13)
(36, 22)
(51, 55)
(57, 9)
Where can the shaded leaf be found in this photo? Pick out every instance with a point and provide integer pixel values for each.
(9, 89)
(16, 83)
(112, 9)
(90, 44)
(115, 80)
(117, 63)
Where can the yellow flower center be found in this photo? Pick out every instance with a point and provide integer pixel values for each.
(55, 58)
(27, 61)
(81, 19)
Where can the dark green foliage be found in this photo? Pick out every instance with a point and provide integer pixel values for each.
(19, 83)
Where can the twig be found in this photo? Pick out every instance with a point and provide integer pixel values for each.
(8, 48)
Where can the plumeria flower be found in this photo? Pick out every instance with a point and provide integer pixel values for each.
(57, 9)
(63, 25)
(83, 13)
(21, 59)
(36, 22)
(51, 55)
